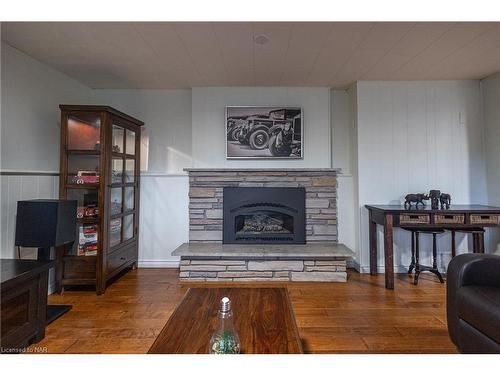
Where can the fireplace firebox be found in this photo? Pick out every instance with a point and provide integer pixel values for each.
(261, 215)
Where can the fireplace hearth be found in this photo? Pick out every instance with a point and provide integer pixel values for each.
(259, 215)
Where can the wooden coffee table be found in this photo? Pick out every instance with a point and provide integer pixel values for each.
(263, 318)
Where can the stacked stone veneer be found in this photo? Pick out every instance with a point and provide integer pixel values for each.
(263, 270)
(206, 198)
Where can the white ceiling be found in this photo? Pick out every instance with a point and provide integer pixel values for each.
(182, 55)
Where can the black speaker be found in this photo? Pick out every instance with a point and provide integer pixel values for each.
(45, 223)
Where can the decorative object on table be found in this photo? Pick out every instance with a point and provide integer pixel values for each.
(225, 340)
(46, 223)
(445, 200)
(415, 198)
(264, 132)
(434, 197)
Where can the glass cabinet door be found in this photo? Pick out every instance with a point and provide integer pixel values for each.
(116, 200)
(130, 142)
(117, 170)
(118, 138)
(129, 202)
(123, 188)
(115, 232)
(128, 227)
(83, 132)
(129, 170)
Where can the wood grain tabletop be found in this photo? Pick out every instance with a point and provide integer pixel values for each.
(263, 319)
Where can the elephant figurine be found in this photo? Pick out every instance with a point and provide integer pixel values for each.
(434, 196)
(415, 198)
(445, 200)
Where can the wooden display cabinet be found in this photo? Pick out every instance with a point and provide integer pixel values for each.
(100, 165)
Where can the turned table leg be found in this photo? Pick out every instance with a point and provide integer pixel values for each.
(373, 245)
(388, 252)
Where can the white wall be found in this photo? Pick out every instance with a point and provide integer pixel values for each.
(413, 137)
(208, 111)
(389, 138)
(186, 128)
(491, 99)
(30, 129)
(342, 122)
(32, 92)
(167, 132)
(166, 150)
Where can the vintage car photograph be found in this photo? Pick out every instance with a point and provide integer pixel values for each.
(264, 132)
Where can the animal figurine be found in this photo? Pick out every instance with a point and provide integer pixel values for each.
(445, 200)
(415, 198)
(434, 196)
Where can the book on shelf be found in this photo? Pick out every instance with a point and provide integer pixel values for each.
(87, 240)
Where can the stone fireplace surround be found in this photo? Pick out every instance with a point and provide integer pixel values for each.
(205, 258)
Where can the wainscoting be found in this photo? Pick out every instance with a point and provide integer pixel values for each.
(164, 218)
(16, 186)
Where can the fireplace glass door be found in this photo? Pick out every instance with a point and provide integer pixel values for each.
(263, 222)
(264, 215)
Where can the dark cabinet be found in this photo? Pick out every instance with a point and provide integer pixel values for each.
(100, 168)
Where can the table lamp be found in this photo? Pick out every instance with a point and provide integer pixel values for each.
(44, 223)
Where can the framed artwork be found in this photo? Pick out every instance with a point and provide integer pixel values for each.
(259, 132)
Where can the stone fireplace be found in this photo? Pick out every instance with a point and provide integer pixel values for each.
(206, 198)
(261, 215)
(263, 225)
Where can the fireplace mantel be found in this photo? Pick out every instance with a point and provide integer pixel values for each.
(263, 170)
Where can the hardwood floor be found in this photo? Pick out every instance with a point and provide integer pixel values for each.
(359, 316)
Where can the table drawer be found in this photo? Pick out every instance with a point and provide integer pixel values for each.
(449, 219)
(120, 257)
(484, 219)
(414, 219)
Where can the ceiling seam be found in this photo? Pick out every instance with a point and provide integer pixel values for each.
(428, 46)
(224, 66)
(363, 75)
(183, 43)
(352, 54)
(286, 55)
(316, 58)
(464, 45)
(155, 52)
(253, 56)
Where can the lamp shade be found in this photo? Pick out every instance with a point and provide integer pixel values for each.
(45, 222)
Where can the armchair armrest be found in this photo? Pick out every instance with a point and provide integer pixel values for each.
(468, 269)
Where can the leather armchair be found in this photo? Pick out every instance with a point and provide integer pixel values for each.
(473, 303)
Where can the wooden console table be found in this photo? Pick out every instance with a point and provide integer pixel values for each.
(390, 216)
(263, 318)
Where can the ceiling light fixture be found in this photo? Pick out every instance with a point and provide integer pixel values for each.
(261, 39)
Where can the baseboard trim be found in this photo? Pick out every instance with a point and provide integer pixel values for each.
(397, 269)
(158, 263)
(353, 263)
(51, 289)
